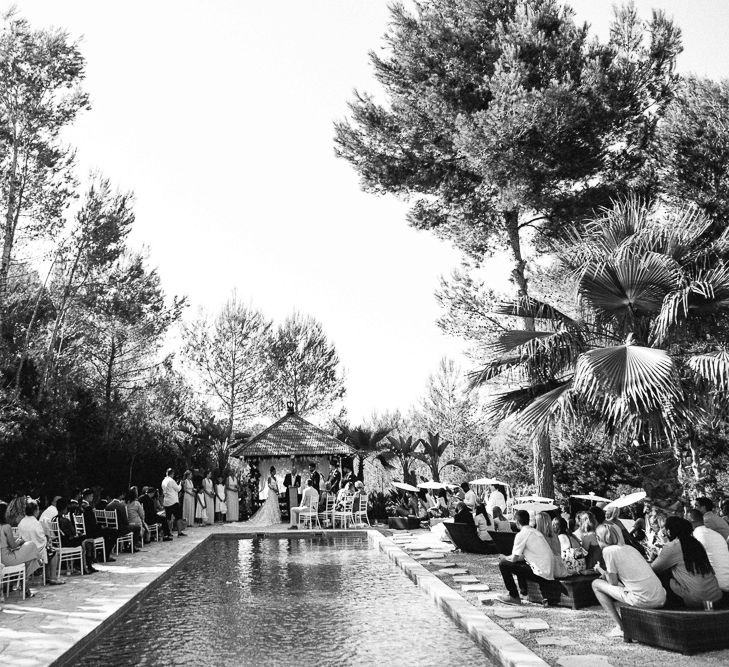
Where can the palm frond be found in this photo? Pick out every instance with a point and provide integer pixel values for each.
(530, 308)
(536, 416)
(456, 463)
(512, 402)
(712, 367)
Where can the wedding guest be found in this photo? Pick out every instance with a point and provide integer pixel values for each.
(712, 520)
(221, 509)
(171, 501)
(16, 508)
(440, 506)
(501, 523)
(136, 517)
(92, 527)
(359, 492)
(201, 507)
(118, 505)
(315, 477)
(585, 533)
(16, 551)
(188, 499)
(151, 515)
(69, 537)
(231, 497)
(346, 490)
(464, 515)
(687, 573)
(715, 546)
(531, 559)
(483, 523)
(335, 480)
(496, 499)
(626, 578)
(48, 514)
(543, 523)
(31, 530)
(571, 551)
(309, 499)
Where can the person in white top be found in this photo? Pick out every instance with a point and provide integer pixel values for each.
(531, 558)
(48, 514)
(309, 499)
(171, 501)
(31, 530)
(715, 546)
(470, 497)
(496, 499)
(627, 578)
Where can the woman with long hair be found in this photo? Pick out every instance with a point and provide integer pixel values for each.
(209, 492)
(16, 551)
(188, 499)
(585, 533)
(501, 523)
(483, 523)
(136, 517)
(543, 523)
(684, 567)
(571, 551)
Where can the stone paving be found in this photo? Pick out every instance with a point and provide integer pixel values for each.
(35, 632)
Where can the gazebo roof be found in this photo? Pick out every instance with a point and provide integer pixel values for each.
(291, 436)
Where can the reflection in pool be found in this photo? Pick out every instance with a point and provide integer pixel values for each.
(299, 602)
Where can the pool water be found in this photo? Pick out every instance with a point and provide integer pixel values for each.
(297, 602)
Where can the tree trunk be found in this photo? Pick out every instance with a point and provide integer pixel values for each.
(543, 479)
(360, 473)
(9, 232)
(518, 275)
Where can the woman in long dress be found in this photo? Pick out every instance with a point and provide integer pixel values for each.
(209, 492)
(188, 499)
(231, 497)
(269, 514)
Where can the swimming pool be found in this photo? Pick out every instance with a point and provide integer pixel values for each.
(327, 600)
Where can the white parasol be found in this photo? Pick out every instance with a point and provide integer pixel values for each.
(535, 507)
(405, 487)
(590, 496)
(485, 481)
(533, 499)
(431, 485)
(625, 501)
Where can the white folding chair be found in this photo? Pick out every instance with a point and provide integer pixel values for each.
(310, 514)
(154, 532)
(326, 515)
(66, 555)
(101, 518)
(13, 574)
(345, 514)
(112, 521)
(99, 544)
(360, 514)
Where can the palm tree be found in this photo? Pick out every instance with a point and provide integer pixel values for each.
(645, 345)
(366, 443)
(404, 451)
(433, 450)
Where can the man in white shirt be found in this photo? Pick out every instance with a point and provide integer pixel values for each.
(712, 520)
(716, 548)
(171, 500)
(496, 499)
(470, 496)
(531, 558)
(48, 514)
(309, 500)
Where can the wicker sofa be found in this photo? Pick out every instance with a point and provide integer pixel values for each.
(574, 592)
(685, 631)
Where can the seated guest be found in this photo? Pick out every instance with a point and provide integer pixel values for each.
(469, 496)
(655, 534)
(612, 517)
(93, 529)
(31, 530)
(48, 514)
(16, 551)
(344, 491)
(483, 523)
(69, 538)
(423, 513)
(531, 558)
(323, 498)
(501, 523)
(136, 517)
(16, 509)
(712, 520)
(715, 547)
(585, 533)
(408, 506)
(464, 515)
(119, 507)
(626, 578)
(440, 506)
(571, 551)
(543, 523)
(151, 517)
(686, 571)
(359, 492)
(310, 498)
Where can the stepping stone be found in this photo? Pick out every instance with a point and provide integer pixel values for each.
(508, 614)
(417, 548)
(555, 641)
(531, 624)
(432, 556)
(447, 566)
(465, 579)
(475, 588)
(588, 660)
(488, 598)
(453, 571)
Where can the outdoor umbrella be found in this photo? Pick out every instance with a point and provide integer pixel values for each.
(535, 507)
(405, 487)
(487, 480)
(533, 499)
(625, 501)
(590, 496)
(432, 485)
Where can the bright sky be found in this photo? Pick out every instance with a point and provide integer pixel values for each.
(218, 115)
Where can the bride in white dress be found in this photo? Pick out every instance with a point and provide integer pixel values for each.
(269, 513)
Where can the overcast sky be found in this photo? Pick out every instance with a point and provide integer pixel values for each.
(218, 115)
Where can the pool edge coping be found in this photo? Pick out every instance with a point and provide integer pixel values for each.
(501, 647)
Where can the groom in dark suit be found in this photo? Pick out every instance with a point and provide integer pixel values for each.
(314, 476)
(292, 484)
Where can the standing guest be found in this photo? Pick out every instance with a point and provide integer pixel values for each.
(348, 475)
(92, 527)
(188, 499)
(309, 499)
(231, 497)
(335, 479)
(496, 499)
(712, 520)
(31, 530)
(48, 514)
(171, 501)
(315, 477)
(627, 578)
(16, 551)
(469, 496)
(531, 559)
(150, 513)
(501, 523)
(292, 485)
(715, 547)
(684, 565)
(483, 523)
(201, 507)
(136, 517)
(209, 491)
(221, 509)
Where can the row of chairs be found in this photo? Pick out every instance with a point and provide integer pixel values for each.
(346, 516)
